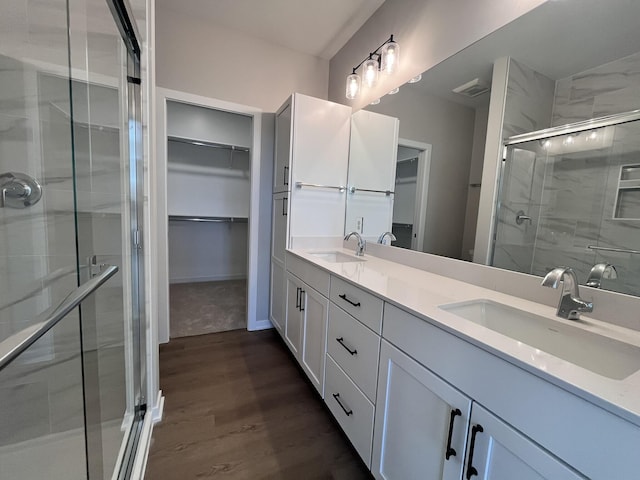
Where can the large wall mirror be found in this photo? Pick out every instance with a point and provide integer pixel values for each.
(567, 197)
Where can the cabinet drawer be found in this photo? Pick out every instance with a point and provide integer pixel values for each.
(312, 276)
(362, 305)
(351, 408)
(355, 348)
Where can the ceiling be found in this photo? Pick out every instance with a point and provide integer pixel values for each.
(318, 28)
(557, 39)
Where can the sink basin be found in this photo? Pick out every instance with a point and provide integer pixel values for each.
(602, 355)
(337, 257)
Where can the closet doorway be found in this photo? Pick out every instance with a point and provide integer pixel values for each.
(208, 155)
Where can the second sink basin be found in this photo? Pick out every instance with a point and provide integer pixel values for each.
(602, 355)
(337, 257)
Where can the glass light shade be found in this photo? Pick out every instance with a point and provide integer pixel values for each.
(375, 102)
(353, 86)
(416, 79)
(394, 91)
(370, 72)
(390, 57)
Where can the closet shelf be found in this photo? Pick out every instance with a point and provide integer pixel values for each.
(204, 143)
(184, 218)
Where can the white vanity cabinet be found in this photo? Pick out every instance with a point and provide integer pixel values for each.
(353, 346)
(307, 313)
(425, 428)
(311, 149)
(421, 422)
(496, 451)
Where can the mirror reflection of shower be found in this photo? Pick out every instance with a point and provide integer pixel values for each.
(571, 195)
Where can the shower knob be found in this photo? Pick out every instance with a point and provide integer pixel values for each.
(19, 190)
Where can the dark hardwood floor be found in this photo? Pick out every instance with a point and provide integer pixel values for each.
(237, 407)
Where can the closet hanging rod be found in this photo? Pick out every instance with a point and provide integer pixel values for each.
(317, 185)
(204, 143)
(181, 218)
(386, 192)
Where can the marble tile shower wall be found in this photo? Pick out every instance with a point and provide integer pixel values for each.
(39, 392)
(577, 206)
(42, 392)
(604, 90)
(528, 107)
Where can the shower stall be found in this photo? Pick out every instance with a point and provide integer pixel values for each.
(570, 195)
(71, 276)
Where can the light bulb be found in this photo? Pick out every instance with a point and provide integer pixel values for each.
(390, 57)
(416, 79)
(370, 72)
(593, 135)
(546, 144)
(353, 86)
(394, 91)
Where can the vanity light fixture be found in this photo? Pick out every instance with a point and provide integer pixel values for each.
(375, 102)
(416, 79)
(385, 59)
(394, 91)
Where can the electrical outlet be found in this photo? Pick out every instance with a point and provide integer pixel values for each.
(360, 224)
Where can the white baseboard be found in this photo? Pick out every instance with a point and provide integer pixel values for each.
(210, 278)
(144, 443)
(260, 325)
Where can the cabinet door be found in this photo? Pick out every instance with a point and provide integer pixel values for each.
(420, 424)
(293, 323)
(320, 147)
(278, 296)
(498, 452)
(281, 171)
(279, 216)
(315, 314)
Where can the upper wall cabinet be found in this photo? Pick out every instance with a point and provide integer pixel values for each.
(312, 143)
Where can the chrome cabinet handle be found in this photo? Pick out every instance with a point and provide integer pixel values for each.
(302, 292)
(450, 452)
(286, 175)
(298, 289)
(341, 342)
(344, 297)
(284, 206)
(337, 397)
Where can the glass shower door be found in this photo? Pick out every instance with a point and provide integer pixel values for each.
(71, 403)
(106, 154)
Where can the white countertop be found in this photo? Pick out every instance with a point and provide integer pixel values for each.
(421, 292)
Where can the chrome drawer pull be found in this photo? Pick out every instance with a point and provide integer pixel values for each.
(341, 342)
(348, 412)
(344, 297)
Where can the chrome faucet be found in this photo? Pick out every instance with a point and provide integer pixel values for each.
(361, 243)
(600, 271)
(391, 236)
(571, 305)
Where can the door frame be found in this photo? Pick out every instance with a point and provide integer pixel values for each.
(159, 215)
(422, 188)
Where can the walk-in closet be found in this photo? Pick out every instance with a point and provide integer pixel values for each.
(208, 196)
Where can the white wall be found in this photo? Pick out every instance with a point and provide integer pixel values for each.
(448, 127)
(428, 31)
(475, 178)
(209, 60)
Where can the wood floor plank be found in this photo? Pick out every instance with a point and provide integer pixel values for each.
(237, 407)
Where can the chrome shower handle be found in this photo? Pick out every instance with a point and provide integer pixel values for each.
(19, 190)
(521, 217)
